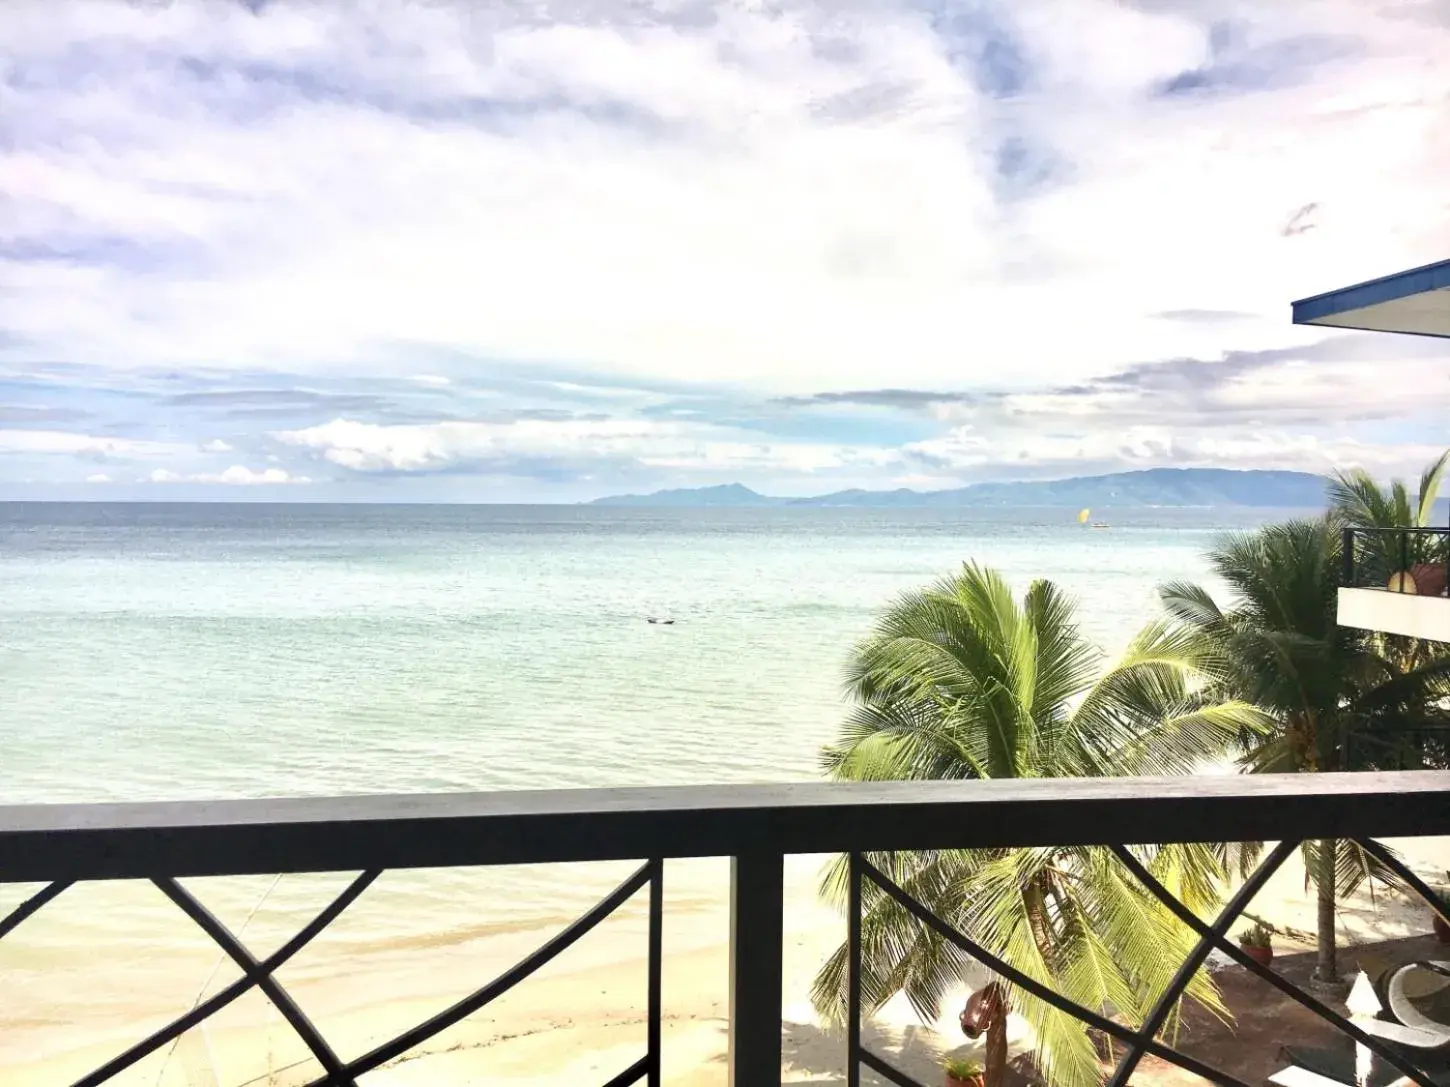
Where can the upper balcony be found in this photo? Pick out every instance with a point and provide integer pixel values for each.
(1395, 582)
(1086, 825)
(1416, 302)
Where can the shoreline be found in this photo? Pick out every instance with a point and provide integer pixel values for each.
(571, 1022)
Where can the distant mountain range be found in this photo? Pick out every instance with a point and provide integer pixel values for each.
(1153, 487)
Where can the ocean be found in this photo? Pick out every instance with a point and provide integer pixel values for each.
(167, 651)
(243, 650)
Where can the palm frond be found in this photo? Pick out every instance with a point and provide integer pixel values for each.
(1430, 480)
(961, 681)
(1359, 498)
(1354, 868)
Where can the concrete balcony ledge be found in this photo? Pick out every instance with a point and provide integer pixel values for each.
(1396, 613)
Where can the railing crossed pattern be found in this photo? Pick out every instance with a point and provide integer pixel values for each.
(261, 974)
(1144, 1040)
(756, 901)
(1396, 559)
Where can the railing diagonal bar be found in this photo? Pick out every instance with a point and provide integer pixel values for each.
(499, 985)
(1328, 1014)
(633, 1074)
(1207, 939)
(1085, 1015)
(221, 999)
(337, 1075)
(895, 1075)
(46, 894)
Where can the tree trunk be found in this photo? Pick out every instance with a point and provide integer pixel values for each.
(986, 1012)
(1327, 970)
(994, 1068)
(1034, 899)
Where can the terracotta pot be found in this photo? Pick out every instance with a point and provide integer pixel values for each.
(1261, 955)
(1421, 579)
(978, 1080)
(1429, 578)
(1442, 930)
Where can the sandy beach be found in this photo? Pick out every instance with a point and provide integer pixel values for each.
(580, 1020)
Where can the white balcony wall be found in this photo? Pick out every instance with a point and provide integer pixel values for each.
(1396, 613)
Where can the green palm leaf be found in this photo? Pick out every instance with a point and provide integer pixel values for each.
(1327, 697)
(964, 681)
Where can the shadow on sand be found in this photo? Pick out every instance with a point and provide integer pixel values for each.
(817, 1056)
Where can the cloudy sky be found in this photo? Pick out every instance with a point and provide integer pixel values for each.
(551, 249)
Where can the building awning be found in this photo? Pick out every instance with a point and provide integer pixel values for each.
(1416, 302)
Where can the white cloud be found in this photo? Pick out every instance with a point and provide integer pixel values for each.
(431, 447)
(64, 442)
(702, 453)
(239, 476)
(967, 452)
(782, 198)
(99, 477)
(235, 476)
(792, 196)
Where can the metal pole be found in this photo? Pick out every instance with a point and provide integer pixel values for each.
(853, 972)
(1348, 556)
(1404, 560)
(655, 1010)
(756, 935)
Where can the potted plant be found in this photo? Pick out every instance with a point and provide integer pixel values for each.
(1257, 943)
(963, 1073)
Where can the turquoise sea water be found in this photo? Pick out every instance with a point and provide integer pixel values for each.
(168, 651)
(241, 650)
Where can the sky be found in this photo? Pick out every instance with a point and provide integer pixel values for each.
(552, 249)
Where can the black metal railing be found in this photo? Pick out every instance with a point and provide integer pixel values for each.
(757, 826)
(1409, 560)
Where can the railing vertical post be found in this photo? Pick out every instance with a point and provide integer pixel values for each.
(656, 968)
(1348, 556)
(1404, 558)
(756, 983)
(853, 972)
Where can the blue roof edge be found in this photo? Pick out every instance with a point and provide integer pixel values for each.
(1428, 277)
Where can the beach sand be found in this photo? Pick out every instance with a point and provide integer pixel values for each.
(579, 1020)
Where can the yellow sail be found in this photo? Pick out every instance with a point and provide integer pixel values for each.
(1083, 516)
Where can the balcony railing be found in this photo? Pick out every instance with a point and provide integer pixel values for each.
(1402, 560)
(756, 826)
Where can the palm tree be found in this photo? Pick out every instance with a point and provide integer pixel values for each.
(962, 681)
(1363, 504)
(1333, 693)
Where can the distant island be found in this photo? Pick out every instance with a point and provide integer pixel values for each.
(1152, 487)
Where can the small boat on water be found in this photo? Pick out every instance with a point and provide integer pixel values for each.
(1100, 524)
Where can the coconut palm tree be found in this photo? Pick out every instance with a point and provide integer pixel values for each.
(1334, 694)
(962, 681)
(1364, 504)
